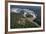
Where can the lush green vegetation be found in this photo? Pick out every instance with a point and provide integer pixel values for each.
(14, 19)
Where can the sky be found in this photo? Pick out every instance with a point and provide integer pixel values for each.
(36, 9)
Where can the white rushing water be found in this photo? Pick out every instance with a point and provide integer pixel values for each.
(23, 11)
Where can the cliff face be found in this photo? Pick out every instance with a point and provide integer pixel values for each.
(19, 21)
